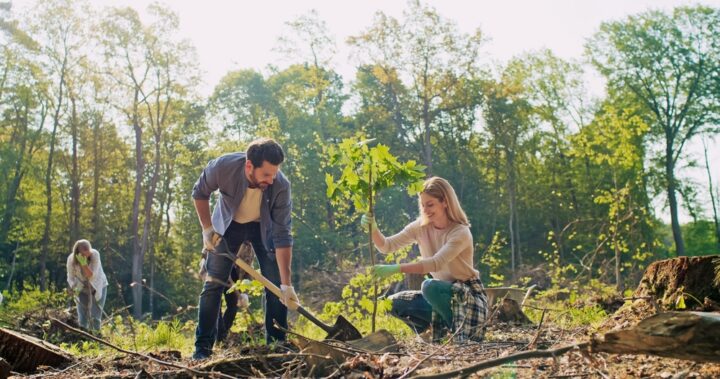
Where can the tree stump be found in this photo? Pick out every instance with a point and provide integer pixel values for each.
(693, 278)
(25, 353)
(508, 311)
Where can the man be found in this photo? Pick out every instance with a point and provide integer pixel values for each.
(254, 205)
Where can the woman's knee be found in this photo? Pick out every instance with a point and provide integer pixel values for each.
(430, 288)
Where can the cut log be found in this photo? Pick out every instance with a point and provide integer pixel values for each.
(684, 335)
(25, 353)
(689, 277)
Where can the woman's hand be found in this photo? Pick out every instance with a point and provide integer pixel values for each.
(81, 259)
(383, 271)
(368, 219)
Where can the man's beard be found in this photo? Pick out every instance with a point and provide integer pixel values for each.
(253, 182)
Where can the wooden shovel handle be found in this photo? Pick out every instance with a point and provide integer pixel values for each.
(274, 289)
(259, 277)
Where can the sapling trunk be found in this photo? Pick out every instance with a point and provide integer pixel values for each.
(370, 245)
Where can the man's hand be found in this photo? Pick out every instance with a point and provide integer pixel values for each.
(81, 259)
(289, 297)
(208, 234)
(366, 220)
(383, 271)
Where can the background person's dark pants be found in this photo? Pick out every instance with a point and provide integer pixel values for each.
(219, 266)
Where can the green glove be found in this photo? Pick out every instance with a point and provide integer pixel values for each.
(383, 271)
(81, 259)
(366, 220)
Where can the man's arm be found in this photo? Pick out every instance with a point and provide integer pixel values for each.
(202, 207)
(284, 260)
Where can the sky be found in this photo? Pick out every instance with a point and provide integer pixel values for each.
(239, 34)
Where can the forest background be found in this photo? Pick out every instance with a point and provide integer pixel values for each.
(103, 132)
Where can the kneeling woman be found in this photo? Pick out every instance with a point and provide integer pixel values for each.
(455, 297)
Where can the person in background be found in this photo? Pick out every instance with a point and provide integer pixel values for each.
(87, 284)
(454, 298)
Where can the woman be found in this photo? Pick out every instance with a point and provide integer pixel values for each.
(455, 297)
(88, 284)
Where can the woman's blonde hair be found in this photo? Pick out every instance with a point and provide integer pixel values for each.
(79, 243)
(440, 189)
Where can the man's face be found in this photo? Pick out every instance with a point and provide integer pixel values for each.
(262, 176)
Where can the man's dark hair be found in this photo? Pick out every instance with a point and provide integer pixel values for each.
(265, 149)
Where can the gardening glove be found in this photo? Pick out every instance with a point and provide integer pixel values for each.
(207, 235)
(81, 259)
(383, 271)
(366, 220)
(243, 301)
(289, 297)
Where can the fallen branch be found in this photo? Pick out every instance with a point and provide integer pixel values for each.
(130, 352)
(465, 371)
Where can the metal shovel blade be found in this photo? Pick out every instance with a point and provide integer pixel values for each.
(343, 330)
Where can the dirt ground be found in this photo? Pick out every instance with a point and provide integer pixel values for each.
(415, 356)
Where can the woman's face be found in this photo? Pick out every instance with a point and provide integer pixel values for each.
(434, 209)
(84, 251)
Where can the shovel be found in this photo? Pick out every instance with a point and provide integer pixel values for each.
(343, 330)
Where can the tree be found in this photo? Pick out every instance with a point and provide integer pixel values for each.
(669, 64)
(433, 60)
(508, 125)
(58, 28)
(153, 71)
(364, 172)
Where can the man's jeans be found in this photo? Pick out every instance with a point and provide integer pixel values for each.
(90, 310)
(415, 307)
(218, 267)
(226, 319)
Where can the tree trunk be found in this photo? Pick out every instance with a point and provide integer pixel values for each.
(12, 266)
(74, 176)
(137, 252)
(512, 204)
(670, 175)
(96, 177)
(712, 196)
(44, 245)
(619, 285)
(427, 149)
